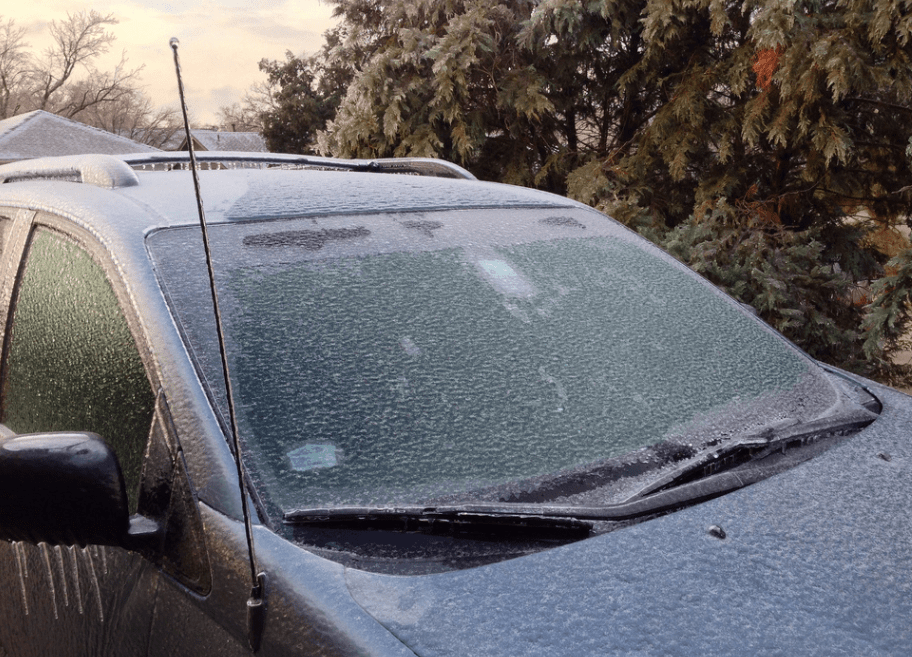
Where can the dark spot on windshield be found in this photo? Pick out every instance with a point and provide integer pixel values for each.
(562, 221)
(312, 240)
(425, 227)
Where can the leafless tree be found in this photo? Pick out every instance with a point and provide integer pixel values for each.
(14, 67)
(98, 88)
(65, 80)
(132, 114)
(247, 116)
(78, 41)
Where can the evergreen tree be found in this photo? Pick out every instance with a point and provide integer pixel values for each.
(760, 141)
(784, 119)
(299, 105)
(443, 79)
(889, 320)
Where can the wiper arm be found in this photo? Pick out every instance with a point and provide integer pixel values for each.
(515, 520)
(450, 520)
(748, 458)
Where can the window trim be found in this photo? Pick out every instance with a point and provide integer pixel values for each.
(11, 263)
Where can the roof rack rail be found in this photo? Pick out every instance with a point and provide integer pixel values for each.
(98, 170)
(412, 165)
(113, 171)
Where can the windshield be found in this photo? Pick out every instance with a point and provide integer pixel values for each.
(399, 358)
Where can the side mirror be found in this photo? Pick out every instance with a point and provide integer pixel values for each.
(66, 488)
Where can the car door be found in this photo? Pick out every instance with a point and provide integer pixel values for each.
(71, 363)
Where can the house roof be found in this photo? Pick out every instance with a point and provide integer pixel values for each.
(216, 140)
(40, 134)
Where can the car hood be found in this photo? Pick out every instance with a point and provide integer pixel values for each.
(816, 560)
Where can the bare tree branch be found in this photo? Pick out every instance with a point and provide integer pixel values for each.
(133, 115)
(247, 116)
(99, 88)
(78, 40)
(64, 80)
(14, 67)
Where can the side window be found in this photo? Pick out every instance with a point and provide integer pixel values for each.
(71, 362)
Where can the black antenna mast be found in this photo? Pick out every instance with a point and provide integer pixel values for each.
(256, 608)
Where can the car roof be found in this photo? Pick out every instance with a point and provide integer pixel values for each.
(245, 186)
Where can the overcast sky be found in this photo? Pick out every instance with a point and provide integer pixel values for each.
(221, 42)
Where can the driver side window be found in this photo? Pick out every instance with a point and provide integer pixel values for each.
(71, 361)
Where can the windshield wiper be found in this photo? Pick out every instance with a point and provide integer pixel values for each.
(757, 455)
(507, 517)
(446, 520)
(720, 469)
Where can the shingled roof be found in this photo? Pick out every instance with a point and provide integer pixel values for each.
(41, 134)
(216, 140)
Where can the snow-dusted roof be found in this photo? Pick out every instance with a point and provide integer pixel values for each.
(41, 134)
(216, 140)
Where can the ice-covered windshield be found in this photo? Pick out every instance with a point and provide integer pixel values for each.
(395, 358)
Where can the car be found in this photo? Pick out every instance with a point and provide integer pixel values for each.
(414, 413)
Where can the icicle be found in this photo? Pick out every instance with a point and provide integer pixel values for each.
(23, 573)
(77, 591)
(50, 571)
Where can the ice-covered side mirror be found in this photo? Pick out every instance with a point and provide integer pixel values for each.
(65, 488)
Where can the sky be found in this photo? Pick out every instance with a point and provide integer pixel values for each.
(221, 42)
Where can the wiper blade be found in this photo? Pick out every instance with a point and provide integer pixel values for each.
(450, 520)
(510, 517)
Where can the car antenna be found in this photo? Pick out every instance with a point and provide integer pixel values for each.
(256, 603)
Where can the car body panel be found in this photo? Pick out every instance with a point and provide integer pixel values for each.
(65, 600)
(244, 194)
(815, 561)
(309, 608)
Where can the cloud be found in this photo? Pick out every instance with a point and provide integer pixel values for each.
(221, 42)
